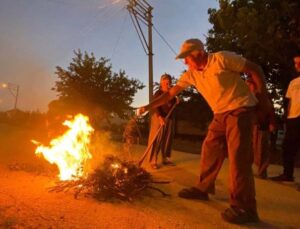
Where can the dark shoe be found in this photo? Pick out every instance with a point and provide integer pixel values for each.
(263, 175)
(282, 178)
(239, 216)
(193, 193)
(169, 163)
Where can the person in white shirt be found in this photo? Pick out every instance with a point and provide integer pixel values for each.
(291, 143)
(217, 77)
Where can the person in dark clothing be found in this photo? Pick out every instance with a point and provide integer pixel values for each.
(262, 130)
(164, 139)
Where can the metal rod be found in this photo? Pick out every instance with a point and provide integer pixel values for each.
(144, 18)
(140, 5)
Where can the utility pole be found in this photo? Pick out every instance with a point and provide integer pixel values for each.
(14, 90)
(141, 11)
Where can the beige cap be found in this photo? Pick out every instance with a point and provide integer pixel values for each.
(189, 46)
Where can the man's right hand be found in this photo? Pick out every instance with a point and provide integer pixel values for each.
(264, 107)
(139, 111)
(162, 120)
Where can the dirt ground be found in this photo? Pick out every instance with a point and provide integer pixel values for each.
(26, 203)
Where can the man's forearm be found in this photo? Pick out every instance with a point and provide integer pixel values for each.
(162, 99)
(258, 77)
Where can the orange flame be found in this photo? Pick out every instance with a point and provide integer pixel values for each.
(70, 151)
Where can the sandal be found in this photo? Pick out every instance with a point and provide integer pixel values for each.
(193, 193)
(239, 216)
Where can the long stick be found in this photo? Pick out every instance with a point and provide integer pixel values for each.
(155, 136)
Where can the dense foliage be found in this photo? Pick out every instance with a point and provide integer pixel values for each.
(90, 86)
(264, 31)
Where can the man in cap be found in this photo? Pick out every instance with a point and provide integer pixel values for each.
(217, 77)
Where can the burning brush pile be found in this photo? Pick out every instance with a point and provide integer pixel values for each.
(115, 179)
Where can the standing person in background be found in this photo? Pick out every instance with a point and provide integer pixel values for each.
(291, 143)
(131, 135)
(261, 137)
(217, 77)
(164, 139)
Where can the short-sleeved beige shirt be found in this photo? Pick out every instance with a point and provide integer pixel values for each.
(220, 82)
(293, 93)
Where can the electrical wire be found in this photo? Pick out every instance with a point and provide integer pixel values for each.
(120, 34)
(165, 40)
(138, 33)
(101, 18)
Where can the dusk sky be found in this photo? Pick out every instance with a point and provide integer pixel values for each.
(38, 35)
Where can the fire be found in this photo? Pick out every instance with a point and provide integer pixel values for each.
(70, 151)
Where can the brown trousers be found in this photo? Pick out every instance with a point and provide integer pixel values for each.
(261, 149)
(230, 132)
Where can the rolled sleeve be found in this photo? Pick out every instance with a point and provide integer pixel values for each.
(233, 61)
(184, 81)
(288, 92)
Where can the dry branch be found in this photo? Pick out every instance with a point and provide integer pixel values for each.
(114, 179)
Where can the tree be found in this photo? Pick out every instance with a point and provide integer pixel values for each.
(264, 31)
(194, 108)
(90, 86)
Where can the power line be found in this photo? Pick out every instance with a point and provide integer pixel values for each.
(140, 35)
(120, 34)
(164, 39)
(101, 19)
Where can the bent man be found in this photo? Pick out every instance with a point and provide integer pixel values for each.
(217, 77)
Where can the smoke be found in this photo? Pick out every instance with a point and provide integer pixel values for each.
(101, 146)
